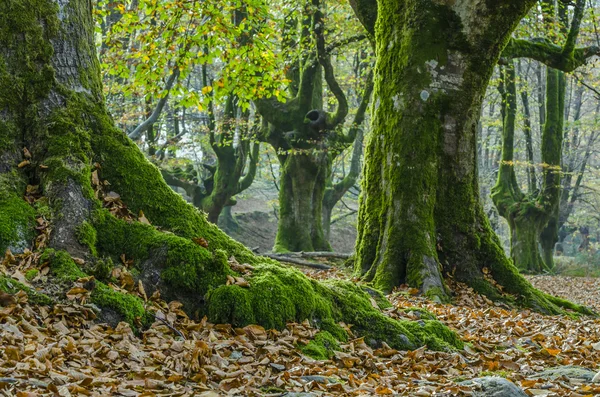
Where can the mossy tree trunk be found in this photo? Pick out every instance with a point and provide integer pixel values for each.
(525, 219)
(420, 208)
(51, 103)
(306, 138)
(301, 190)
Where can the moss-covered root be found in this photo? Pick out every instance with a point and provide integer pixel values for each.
(16, 216)
(11, 286)
(115, 305)
(322, 346)
(278, 295)
(515, 288)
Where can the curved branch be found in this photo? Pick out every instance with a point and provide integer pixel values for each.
(550, 54)
(344, 42)
(325, 61)
(249, 178)
(569, 46)
(136, 133)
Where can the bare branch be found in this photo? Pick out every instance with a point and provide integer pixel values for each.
(136, 133)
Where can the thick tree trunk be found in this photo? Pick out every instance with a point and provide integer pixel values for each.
(301, 191)
(420, 208)
(420, 204)
(51, 103)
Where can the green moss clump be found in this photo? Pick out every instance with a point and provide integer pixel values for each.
(31, 274)
(102, 269)
(16, 220)
(378, 296)
(185, 267)
(435, 335)
(130, 307)
(11, 286)
(86, 235)
(62, 266)
(423, 314)
(321, 347)
(278, 295)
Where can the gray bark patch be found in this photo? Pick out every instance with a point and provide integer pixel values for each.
(74, 209)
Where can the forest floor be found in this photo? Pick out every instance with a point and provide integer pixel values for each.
(62, 351)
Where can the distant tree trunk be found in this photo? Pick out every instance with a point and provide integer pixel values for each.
(519, 209)
(301, 190)
(335, 192)
(552, 154)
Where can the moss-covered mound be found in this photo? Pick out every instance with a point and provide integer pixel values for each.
(12, 286)
(278, 295)
(321, 347)
(115, 304)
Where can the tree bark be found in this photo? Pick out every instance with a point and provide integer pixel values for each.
(524, 217)
(301, 191)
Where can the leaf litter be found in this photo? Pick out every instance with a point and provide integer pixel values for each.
(63, 351)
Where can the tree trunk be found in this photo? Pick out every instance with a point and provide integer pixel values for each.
(51, 103)
(524, 218)
(301, 191)
(420, 208)
(552, 143)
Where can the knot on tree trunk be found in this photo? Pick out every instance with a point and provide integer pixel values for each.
(316, 120)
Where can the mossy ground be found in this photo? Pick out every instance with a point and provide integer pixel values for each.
(321, 347)
(278, 295)
(12, 286)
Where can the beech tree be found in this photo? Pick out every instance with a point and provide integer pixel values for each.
(420, 213)
(60, 147)
(304, 135)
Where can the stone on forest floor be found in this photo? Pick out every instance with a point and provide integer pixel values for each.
(319, 379)
(568, 371)
(494, 386)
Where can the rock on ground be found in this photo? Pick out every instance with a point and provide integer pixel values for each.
(494, 386)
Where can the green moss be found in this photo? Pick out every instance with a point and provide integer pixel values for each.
(86, 235)
(321, 347)
(130, 307)
(62, 266)
(278, 295)
(185, 267)
(378, 296)
(435, 335)
(102, 269)
(11, 286)
(31, 274)
(17, 219)
(421, 313)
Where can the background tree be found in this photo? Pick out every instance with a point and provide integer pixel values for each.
(305, 137)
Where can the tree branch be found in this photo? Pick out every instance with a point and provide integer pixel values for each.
(136, 133)
(550, 54)
(325, 61)
(569, 46)
(344, 42)
(249, 178)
